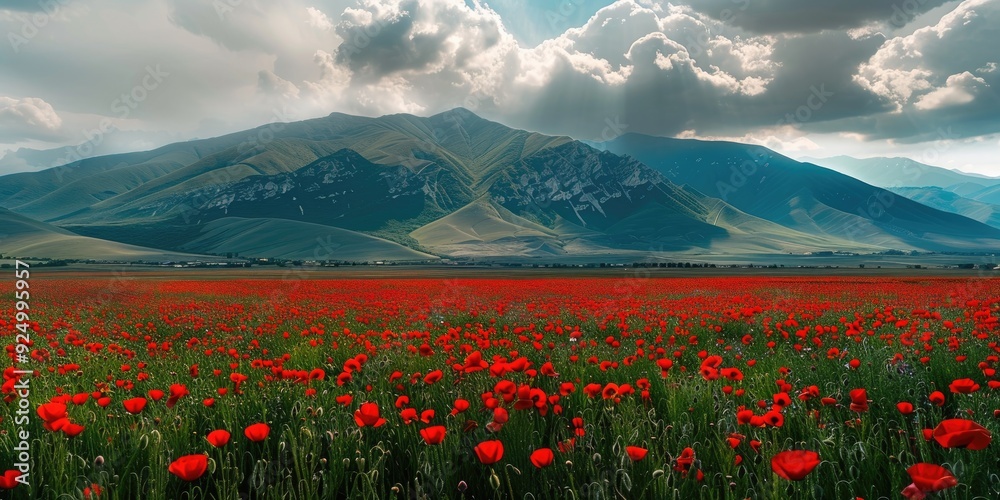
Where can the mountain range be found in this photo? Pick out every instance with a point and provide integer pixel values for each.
(455, 185)
(972, 195)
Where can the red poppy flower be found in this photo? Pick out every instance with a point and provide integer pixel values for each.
(9, 479)
(56, 425)
(904, 408)
(218, 438)
(433, 376)
(134, 405)
(489, 452)
(427, 415)
(859, 400)
(500, 415)
(733, 374)
(931, 477)
(685, 461)
(257, 432)
(473, 363)
(368, 416)
(609, 391)
(237, 379)
(809, 392)
(189, 467)
(460, 406)
(961, 433)
(433, 435)
(542, 457)
(912, 492)
(72, 430)
(782, 399)
(409, 415)
(774, 418)
(964, 386)
(177, 391)
(937, 398)
(636, 453)
(50, 412)
(92, 491)
(155, 394)
(567, 445)
(794, 465)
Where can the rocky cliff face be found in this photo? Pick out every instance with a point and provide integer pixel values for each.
(588, 187)
(342, 189)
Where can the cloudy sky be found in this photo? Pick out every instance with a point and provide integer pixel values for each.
(916, 78)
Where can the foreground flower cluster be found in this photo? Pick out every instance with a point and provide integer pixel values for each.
(636, 388)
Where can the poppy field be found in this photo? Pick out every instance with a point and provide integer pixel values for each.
(532, 388)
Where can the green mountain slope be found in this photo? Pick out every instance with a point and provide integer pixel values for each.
(901, 172)
(24, 237)
(455, 184)
(805, 197)
(948, 201)
(296, 240)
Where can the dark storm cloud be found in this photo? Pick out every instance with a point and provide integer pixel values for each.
(388, 45)
(413, 37)
(825, 64)
(688, 78)
(745, 69)
(943, 81)
(808, 16)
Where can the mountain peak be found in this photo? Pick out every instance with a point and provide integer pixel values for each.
(459, 113)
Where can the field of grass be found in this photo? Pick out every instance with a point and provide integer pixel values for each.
(561, 387)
